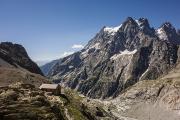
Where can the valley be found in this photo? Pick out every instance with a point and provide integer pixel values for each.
(128, 72)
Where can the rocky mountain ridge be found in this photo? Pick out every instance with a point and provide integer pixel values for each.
(16, 55)
(16, 66)
(116, 58)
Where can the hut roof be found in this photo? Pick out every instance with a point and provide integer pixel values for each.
(49, 86)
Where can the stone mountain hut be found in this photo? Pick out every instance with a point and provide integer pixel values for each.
(54, 88)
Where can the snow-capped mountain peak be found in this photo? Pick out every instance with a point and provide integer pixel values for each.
(161, 34)
(112, 30)
(118, 57)
(167, 32)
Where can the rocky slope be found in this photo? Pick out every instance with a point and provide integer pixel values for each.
(118, 57)
(16, 55)
(148, 99)
(24, 101)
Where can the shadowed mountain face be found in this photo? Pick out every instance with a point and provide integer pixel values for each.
(17, 56)
(47, 67)
(118, 57)
(16, 66)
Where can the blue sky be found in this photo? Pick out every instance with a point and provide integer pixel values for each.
(49, 28)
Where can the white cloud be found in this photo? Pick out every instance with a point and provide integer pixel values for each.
(77, 46)
(67, 53)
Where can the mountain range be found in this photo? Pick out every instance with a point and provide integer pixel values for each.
(119, 57)
(128, 72)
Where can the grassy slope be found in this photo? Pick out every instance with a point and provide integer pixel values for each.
(79, 110)
(9, 75)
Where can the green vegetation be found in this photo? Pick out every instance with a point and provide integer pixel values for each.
(73, 103)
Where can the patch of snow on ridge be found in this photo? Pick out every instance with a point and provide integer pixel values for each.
(125, 52)
(139, 24)
(137, 21)
(161, 34)
(112, 30)
(84, 54)
(71, 66)
(96, 46)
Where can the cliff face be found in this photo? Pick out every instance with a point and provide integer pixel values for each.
(17, 56)
(119, 57)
